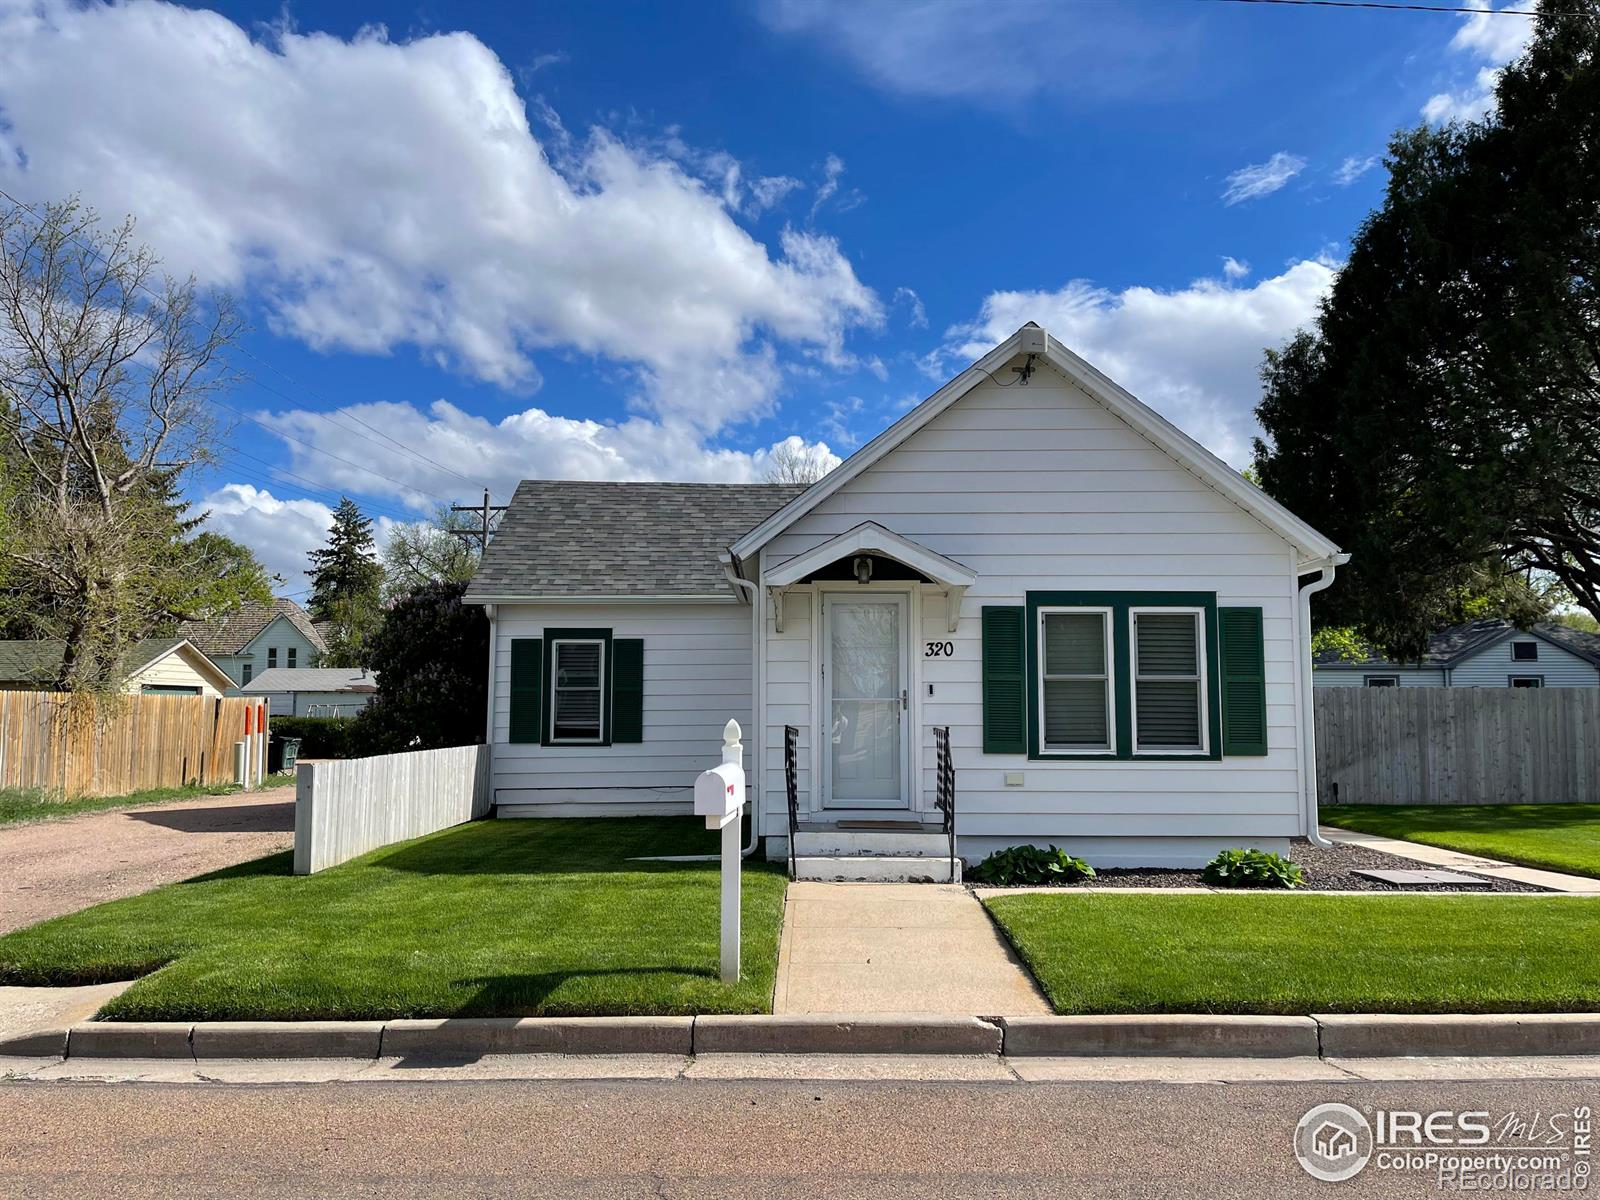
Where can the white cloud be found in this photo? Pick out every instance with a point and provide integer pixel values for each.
(917, 313)
(1489, 38)
(995, 55)
(1353, 168)
(380, 194)
(1262, 179)
(280, 531)
(1234, 269)
(1193, 354)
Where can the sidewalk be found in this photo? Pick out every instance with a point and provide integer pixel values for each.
(912, 948)
(1556, 881)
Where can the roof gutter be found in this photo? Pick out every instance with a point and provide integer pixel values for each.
(756, 736)
(1308, 721)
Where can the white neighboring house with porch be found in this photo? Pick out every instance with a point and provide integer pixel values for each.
(1111, 623)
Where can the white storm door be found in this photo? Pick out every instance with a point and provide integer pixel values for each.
(865, 700)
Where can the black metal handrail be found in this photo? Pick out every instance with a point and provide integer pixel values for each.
(791, 784)
(945, 788)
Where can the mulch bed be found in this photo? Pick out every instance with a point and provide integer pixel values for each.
(1330, 870)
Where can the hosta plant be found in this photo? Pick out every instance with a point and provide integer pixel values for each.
(1030, 864)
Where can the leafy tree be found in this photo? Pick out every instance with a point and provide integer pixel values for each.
(346, 585)
(107, 372)
(1442, 421)
(431, 658)
(429, 553)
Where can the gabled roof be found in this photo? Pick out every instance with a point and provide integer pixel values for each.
(39, 660)
(232, 633)
(1031, 339)
(312, 679)
(573, 539)
(1456, 643)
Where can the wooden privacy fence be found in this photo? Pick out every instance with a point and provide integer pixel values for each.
(343, 809)
(114, 745)
(1458, 745)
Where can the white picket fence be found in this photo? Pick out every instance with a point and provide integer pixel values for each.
(343, 809)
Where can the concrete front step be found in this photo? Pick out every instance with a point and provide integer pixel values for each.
(841, 843)
(877, 868)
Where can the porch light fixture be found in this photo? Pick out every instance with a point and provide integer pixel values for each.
(863, 568)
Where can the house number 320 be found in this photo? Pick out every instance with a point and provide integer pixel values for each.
(939, 650)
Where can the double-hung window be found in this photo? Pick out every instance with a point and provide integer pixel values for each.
(272, 657)
(1169, 681)
(291, 653)
(577, 690)
(1076, 699)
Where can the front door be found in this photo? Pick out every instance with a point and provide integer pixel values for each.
(865, 713)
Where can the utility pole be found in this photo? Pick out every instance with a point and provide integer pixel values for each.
(486, 514)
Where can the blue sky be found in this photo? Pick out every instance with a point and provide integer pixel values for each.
(631, 241)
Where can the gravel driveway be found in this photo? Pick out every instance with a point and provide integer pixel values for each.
(57, 867)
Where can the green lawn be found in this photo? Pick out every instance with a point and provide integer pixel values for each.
(495, 918)
(1307, 953)
(23, 805)
(1563, 837)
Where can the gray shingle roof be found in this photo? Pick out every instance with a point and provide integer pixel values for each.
(312, 679)
(230, 634)
(567, 538)
(39, 659)
(1456, 642)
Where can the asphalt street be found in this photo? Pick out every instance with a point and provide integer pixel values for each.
(705, 1138)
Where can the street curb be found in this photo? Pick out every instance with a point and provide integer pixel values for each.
(286, 1039)
(1384, 1035)
(476, 1036)
(129, 1039)
(845, 1034)
(1331, 1035)
(1174, 1036)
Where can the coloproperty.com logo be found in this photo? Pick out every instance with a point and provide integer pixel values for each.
(1467, 1151)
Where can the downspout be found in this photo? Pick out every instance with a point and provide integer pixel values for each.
(757, 734)
(1308, 722)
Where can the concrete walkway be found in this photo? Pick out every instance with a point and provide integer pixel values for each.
(1456, 860)
(914, 948)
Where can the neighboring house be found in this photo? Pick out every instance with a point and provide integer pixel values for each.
(258, 637)
(313, 691)
(1111, 622)
(1478, 654)
(153, 667)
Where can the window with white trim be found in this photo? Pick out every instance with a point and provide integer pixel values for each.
(1075, 687)
(1169, 683)
(577, 690)
(291, 653)
(1382, 681)
(272, 657)
(1526, 681)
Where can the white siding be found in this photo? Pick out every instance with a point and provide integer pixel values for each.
(175, 670)
(1041, 488)
(348, 704)
(280, 635)
(696, 676)
(1493, 666)
(1408, 676)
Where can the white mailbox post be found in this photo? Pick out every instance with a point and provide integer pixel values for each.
(719, 798)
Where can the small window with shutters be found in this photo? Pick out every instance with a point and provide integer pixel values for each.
(1076, 695)
(1169, 681)
(577, 690)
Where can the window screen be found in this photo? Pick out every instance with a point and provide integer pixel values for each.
(1074, 682)
(576, 688)
(1168, 704)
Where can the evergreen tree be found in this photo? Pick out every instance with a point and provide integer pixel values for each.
(346, 583)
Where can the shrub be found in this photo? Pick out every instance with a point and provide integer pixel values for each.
(1252, 868)
(321, 737)
(1031, 864)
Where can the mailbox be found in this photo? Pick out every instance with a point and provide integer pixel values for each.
(719, 794)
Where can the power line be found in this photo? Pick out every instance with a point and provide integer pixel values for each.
(416, 454)
(1396, 7)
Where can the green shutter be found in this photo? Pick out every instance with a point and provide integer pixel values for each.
(1244, 681)
(1005, 697)
(527, 673)
(627, 690)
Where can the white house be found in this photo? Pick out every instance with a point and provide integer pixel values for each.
(1110, 622)
(152, 667)
(313, 691)
(258, 637)
(1487, 653)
